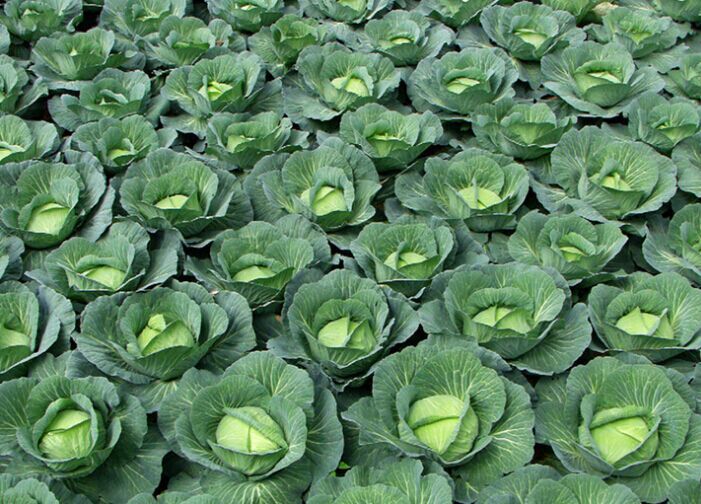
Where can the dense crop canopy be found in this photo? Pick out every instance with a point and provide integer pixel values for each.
(350, 251)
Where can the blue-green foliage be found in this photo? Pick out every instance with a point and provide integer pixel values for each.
(350, 251)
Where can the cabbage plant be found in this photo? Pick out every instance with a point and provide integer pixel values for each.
(675, 245)
(519, 129)
(261, 428)
(22, 140)
(652, 315)
(407, 37)
(32, 19)
(280, 43)
(148, 340)
(663, 123)
(241, 140)
(17, 91)
(598, 80)
(259, 259)
(522, 313)
(686, 80)
(125, 258)
(343, 323)
(576, 248)
(407, 255)
(631, 422)
(44, 203)
(529, 31)
(403, 256)
(604, 179)
(454, 13)
(389, 480)
(391, 139)
(331, 79)
(170, 190)
(67, 61)
(648, 37)
(440, 403)
(28, 490)
(227, 83)
(687, 158)
(246, 15)
(539, 484)
(347, 11)
(475, 186)
(185, 40)
(112, 93)
(581, 9)
(80, 431)
(681, 11)
(456, 83)
(332, 185)
(140, 19)
(35, 320)
(117, 143)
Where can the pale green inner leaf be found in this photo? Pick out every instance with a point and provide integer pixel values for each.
(172, 202)
(615, 180)
(327, 199)
(214, 90)
(347, 333)
(436, 421)
(252, 273)
(8, 150)
(617, 439)
(502, 317)
(479, 198)
(48, 219)
(67, 436)
(400, 260)
(640, 323)
(460, 84)
(353, 85)
(608, 76)
(106, 275)
(234, 433)
(160, 334)
(12, 338)
(235, 140)
(400, 40)
(116, 154)
(531, 37)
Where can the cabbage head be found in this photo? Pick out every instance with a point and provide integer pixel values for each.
(625, 420)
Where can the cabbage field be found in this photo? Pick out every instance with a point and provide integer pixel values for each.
(350, 251)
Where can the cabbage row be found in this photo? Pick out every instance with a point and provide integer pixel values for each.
(350, 251)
